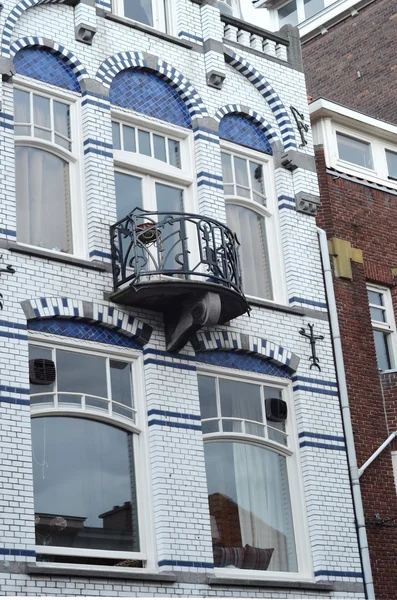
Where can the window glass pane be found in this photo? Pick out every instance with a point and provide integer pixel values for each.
(120, 374)
(144, 142)
(250, 230)
(257, 182)
(227, 169)
(116, 135)
(382, 350)
(62, 118)
(225, 7)
(129, 138)
(169, 199)
(250, 507)
(128, 194)
(62, 142)
(375, 298)
(240, 399)
(210, 426)
(43, 199)
(81, 373)
(22, 130)
(43, 134)
(312, 7)
(21, 106)
(39, 352)
(207, 396)
(254, 429)
(354, 151)
(84, 485)
(139, 10)
(41, 111)
(240, 168)
(391, 158)
(159, 148)
(230, 426)
(378, 314)
(288, 14)
(174, 153)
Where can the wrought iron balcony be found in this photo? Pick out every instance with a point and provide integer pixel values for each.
(170, 262)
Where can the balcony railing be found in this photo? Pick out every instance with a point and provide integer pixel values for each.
(146, 245)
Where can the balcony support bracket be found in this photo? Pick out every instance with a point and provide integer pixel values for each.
(182, 324)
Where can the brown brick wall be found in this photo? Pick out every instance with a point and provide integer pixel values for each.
(367, 218)
(365, 43)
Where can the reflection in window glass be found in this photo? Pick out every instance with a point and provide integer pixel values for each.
(174, 153)
(288, 14)
(391, 158)
(43, 199)
(129, 138)
(128, 194)
(81, 373)
(116, 135)
(159, 148)
(144, 142)
(382, 350)
(120, 374)
(312, 7)
(139, 10)
(354, 151)
(84, 485)
(207, 395)
(250, 507)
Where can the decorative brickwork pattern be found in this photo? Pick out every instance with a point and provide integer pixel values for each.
(273, 100)
(243, 362)
(115, 319)
(82, 331)
(241, 130)
(46, 66)
(249, 114)
(148, 94)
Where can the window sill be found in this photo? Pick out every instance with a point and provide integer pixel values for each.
(268, 583)
(150, 30)
(103, 573)
(63, 258)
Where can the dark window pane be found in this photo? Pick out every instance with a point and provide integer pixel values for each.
(39, 352)
(391, 158)
(354, 151)
(378, 314)
(21, 107)
(159, 148)
(81, 373)
(375, 298)
(116, 135)
(129, 138)
(174, 153)
(382, 350)
(62, 118)
(288, 14)
(120, 374)
(128, 194)
(144, 142)
(240, 400)
(250, 506)
(207, 394)
(84, 485)
(210, 426)
(41, 111)
(227, 170)
(231, 426)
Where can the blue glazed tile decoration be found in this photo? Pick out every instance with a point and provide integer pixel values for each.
(148, 94)
(241, 361)
(82, 331)
(47, 66)
(244, 131)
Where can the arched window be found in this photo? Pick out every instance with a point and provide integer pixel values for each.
(87, 443)
(254, 502)
(48, 194)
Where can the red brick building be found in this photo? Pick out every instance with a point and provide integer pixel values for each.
(351, 71)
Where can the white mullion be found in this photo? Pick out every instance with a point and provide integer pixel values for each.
(263, 405)
(167, 154)
(218, 404)
(233, 174)
(121, 134)
(31, 114)
(52, 120)
(250, 188)
(54, 358)
(109, 387)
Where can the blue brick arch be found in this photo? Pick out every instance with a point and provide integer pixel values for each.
(113, 65)
(146, 93)
(53, 64)
(277, 107)
(240, 129)
(244, 111)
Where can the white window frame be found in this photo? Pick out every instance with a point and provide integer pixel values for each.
(74, 158)
(294, 470)
(325, 133)
(140, 444)
(162, 14)
(388, 327)
(270, 215)
(233, 5)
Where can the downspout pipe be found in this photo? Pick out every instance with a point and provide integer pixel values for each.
(346, 417)
(377, 452)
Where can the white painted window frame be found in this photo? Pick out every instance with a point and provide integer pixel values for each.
(324, 132)
(142, 466)
(270, 216)
(74, 158)
(162, 14)
(294, 470)
(233, 5)
(389, 326)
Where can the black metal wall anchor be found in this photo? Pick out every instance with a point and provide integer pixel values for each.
(10, 270)
(300, 123)
(315, 361)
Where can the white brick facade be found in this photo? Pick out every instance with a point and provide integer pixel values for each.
(176, 478)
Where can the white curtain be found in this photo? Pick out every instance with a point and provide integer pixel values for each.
(264, 503)
(250, 230)
(43, 203)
